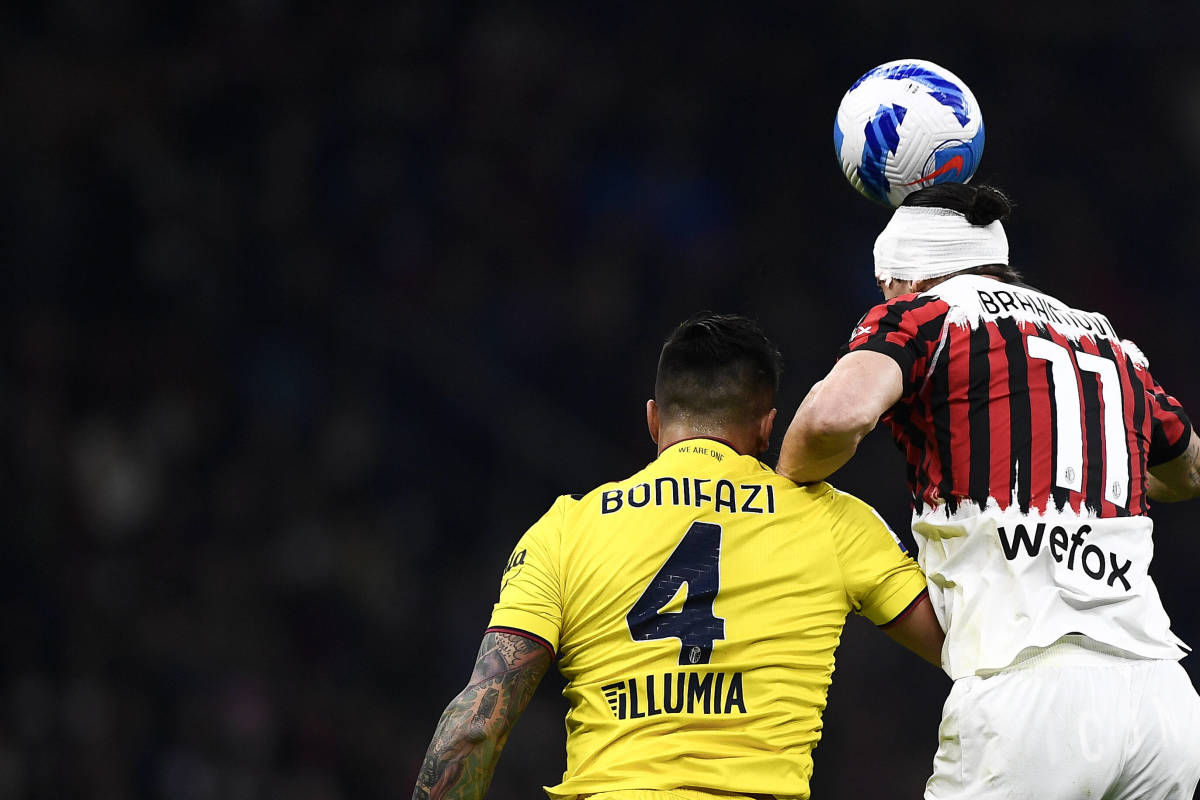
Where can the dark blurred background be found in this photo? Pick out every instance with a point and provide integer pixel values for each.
(309, 311)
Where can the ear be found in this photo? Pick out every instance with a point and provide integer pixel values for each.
(652, 419)
(765, 425)
(895, 287)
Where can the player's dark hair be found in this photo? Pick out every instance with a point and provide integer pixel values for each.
(720, 367)
(981, 205)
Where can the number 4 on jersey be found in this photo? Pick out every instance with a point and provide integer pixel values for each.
(696, 561)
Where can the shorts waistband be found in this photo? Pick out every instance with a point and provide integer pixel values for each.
(1074, 649)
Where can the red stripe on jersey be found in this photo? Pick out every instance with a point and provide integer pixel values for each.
(1000, 487)
(1133, 452)
(931, 466)
(958, 364)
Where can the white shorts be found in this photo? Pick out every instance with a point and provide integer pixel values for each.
(1067, 723)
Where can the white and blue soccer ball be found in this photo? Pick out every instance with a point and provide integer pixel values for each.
(906, 125)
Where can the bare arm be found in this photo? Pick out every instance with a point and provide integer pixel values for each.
(837, 413)
(918, 630)
(473, 728)
(1179, 478)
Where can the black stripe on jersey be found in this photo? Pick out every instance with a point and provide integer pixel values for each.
(1019, 411)
(1093, 442)
(1060, 496)
(939, 402)
(533, 637)
(979, 375)
(1135, 417)
(901, 419)
(931, 330)
(1160, 450)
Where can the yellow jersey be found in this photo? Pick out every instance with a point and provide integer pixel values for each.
(695, 608)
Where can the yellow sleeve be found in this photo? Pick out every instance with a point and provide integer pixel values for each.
(531, 587)
(881, 578)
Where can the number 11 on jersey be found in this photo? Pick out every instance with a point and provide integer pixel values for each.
(1069, 452)
(695, 561)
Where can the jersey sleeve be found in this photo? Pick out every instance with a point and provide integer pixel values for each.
(906, 329)
(881, 579)
(1170, 428)
(531, 587)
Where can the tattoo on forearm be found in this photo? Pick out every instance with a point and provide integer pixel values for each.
(483, 714)
(474, 727)
(426, 778)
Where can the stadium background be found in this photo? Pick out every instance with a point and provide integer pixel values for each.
(310, 310)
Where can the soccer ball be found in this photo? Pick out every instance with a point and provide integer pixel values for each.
(906, 125)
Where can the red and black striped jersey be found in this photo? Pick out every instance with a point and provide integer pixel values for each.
(1013, 399)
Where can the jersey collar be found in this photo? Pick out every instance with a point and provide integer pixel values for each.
(709, 443)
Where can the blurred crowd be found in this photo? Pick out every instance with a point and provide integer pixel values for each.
(310, 309)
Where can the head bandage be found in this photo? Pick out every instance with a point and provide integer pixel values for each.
(922, 242)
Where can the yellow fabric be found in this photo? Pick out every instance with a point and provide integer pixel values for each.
(650, 713)
(669, 794)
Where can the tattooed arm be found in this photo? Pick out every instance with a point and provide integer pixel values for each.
(1179, 478)
(473, 728)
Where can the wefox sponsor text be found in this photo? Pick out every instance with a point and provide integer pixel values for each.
(1068, 549)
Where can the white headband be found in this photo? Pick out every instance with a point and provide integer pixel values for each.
(922, 242)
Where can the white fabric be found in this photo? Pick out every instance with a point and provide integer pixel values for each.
(1002, 582)
(920, 243)
(1068, 724)
(978, 299)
